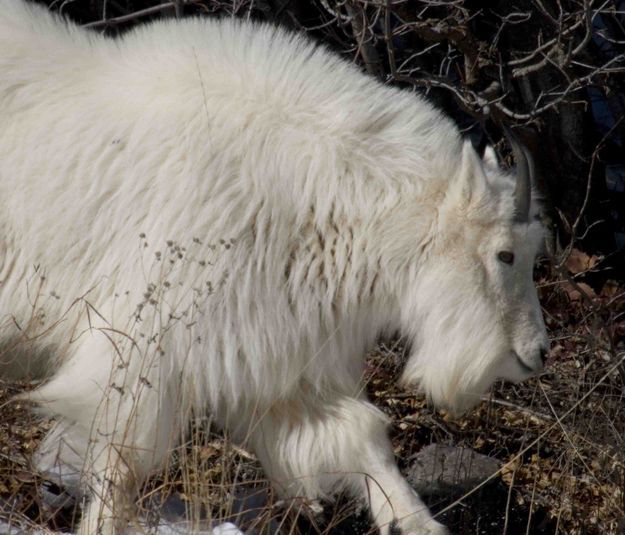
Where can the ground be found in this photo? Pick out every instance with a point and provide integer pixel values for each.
(559, 438)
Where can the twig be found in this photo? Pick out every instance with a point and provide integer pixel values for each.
(520, 408)
(175, 4)
(364, 37)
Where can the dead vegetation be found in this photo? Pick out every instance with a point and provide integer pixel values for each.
(560, 439)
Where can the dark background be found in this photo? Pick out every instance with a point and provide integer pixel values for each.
(553, 70)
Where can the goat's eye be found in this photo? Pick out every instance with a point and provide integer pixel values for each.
(506, 257)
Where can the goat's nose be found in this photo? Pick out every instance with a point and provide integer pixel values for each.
(544, 354)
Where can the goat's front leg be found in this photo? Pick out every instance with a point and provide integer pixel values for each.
(313, 446)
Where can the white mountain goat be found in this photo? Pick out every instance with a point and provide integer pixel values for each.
(222, 216)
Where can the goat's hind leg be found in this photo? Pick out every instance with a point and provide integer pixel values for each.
(98, 466)
(111, 495)
(113, 437)
(313, 447)
(89, 470)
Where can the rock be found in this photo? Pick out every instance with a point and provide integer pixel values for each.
(439, 469)
(169, 516)
(6, 528)
(227, 528)
(249, 509)
(17, 525)
(55, 498)
(184, 528)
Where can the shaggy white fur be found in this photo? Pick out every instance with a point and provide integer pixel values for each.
(222, 216)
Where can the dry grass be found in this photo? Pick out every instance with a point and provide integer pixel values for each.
(560, 439)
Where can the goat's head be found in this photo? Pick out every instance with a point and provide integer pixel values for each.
(472, 311)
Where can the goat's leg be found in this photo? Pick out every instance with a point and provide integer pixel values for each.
(111, 499)
(311, 447)
(118, 424)
(93, 471)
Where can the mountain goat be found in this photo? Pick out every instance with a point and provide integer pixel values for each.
(222, 216)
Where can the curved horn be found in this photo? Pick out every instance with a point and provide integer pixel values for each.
(524, 177)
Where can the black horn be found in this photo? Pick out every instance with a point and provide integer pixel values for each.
(524, 177)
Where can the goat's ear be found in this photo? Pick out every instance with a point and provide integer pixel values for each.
(470, 184)
(489, 158)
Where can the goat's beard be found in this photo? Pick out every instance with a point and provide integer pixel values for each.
(453, 381)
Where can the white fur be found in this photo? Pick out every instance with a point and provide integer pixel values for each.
(309, 209)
